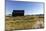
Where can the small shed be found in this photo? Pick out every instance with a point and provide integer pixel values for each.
(18, 13)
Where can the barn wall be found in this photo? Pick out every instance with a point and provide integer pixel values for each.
(18, 13)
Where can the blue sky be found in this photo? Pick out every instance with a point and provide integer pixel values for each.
(29, 7)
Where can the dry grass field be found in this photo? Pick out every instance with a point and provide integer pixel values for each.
(24, 22)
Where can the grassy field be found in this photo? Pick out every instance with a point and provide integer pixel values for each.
(24, 22)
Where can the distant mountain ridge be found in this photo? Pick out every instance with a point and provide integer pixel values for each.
(29, 15)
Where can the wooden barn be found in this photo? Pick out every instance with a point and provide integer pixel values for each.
(18, 13)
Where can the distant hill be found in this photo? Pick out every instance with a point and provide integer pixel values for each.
(29, 15)
(39, 15)
(9, 15)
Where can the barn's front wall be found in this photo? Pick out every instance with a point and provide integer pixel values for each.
(18, 13)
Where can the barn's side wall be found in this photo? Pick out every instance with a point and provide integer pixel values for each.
(18, 13)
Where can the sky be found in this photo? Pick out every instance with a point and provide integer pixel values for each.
(28, 7)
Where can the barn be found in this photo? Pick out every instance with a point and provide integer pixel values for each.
(18, 13)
